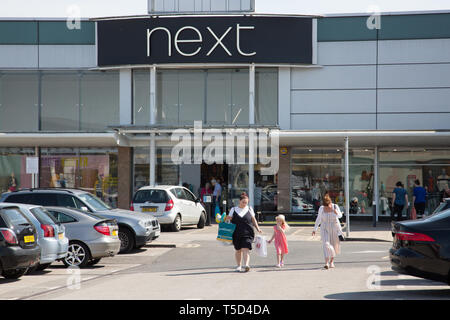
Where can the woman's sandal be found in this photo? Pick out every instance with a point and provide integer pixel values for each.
(247, 269)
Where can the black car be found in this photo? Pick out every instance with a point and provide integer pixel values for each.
(18, 246)
(444, 205)
(421, 247)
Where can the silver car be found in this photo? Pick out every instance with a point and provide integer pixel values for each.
(91, 236)
(50, 234)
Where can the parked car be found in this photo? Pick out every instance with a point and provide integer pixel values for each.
(171, 205)
(444, 205)
(18, 246)
(135, 229)
(421, 247)
(299, 205)
(50, 235)
(91, 236)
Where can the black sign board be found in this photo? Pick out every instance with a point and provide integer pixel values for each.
(237, 39)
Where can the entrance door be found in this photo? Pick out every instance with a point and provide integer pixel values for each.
(216, 171)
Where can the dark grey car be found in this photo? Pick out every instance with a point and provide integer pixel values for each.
(91, 236)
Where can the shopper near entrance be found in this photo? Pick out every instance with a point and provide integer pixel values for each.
(330, 230)
(217, 192)
(419, 198)
(279, 236)
(243, 217)
(399, 200)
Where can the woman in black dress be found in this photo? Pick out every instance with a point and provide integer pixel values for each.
(243, 217)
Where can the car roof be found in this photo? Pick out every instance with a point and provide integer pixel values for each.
(159, 187)
(77, 212)
(67, 190)
(20, 205)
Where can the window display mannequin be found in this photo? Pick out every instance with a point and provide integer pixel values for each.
(442, 180)
(12, 183)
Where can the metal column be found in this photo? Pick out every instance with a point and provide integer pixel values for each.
(376, 193)
(347, 188)
(152, 122)
(251, 136)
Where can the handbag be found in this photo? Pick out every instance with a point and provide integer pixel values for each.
(413, 213)
(225, 233)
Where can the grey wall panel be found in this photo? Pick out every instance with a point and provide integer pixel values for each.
(334, 77)
(333, 121)
(414, 76)
(284, 98)
(414, 121)
(347, 52)
(414, 100)
(67, 56)
(333, 101)
(18, 56)
(414, 51)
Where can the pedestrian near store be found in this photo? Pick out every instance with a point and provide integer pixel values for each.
(330, 230)
(217, 192)
(419, 198)
(399, 201)
(243, 217)
(279, 236)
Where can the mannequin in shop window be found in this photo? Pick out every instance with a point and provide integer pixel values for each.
(442, 180)
(12, 183)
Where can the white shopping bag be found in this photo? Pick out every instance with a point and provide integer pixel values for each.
(261, 246)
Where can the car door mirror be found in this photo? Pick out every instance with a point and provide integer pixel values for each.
(197, 200)
(85, 209)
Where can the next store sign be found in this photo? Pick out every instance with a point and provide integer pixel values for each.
(285, 40)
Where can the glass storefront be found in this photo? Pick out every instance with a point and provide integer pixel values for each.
(166, 172)
(67, 101)
(91, 169)
(213, 96)
(430, 166)
(316, 172)
(13, 174)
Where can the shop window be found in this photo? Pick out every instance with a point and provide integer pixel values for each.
(19, 97)
(13, 174)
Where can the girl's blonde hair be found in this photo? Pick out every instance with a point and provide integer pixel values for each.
(282, 218)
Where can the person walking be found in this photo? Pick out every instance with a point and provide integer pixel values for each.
(399, 200)
(419, 198)
(217, 192)
(279, 235)
(243, 217)
(330, 230)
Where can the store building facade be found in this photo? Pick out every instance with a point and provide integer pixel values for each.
(98, 105)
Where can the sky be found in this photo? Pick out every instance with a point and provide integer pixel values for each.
(106, 8)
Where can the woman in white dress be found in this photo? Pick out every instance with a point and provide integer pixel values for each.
(330, 229)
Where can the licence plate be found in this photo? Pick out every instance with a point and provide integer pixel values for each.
(60, 236)
(114, 233)
(28, 239)
(152, 209)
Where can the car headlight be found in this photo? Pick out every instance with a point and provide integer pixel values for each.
(142, 223)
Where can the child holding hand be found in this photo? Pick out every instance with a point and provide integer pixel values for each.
(279, 236)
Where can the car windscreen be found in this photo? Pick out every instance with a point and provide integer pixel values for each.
(439, 215)
(43, 216)
(153, 196)
(14, 216)
(94, 202)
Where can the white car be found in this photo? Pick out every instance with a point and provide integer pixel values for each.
(299, 205)
(171, 205)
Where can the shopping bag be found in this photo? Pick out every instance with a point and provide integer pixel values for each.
(226, 230)
(413, 213)
(261, 246)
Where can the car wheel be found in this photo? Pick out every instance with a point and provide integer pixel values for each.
(94, 262)
(201, 221)
(14, 274)
(77, 255)
(176, 225)
(126, 240)
(32, 269)
(42, 267)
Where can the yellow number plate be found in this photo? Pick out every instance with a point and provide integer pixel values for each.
(60, 235)
(28, 239)
(114, 232)
(148, 209)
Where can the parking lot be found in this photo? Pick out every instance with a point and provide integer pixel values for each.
(192, 265)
